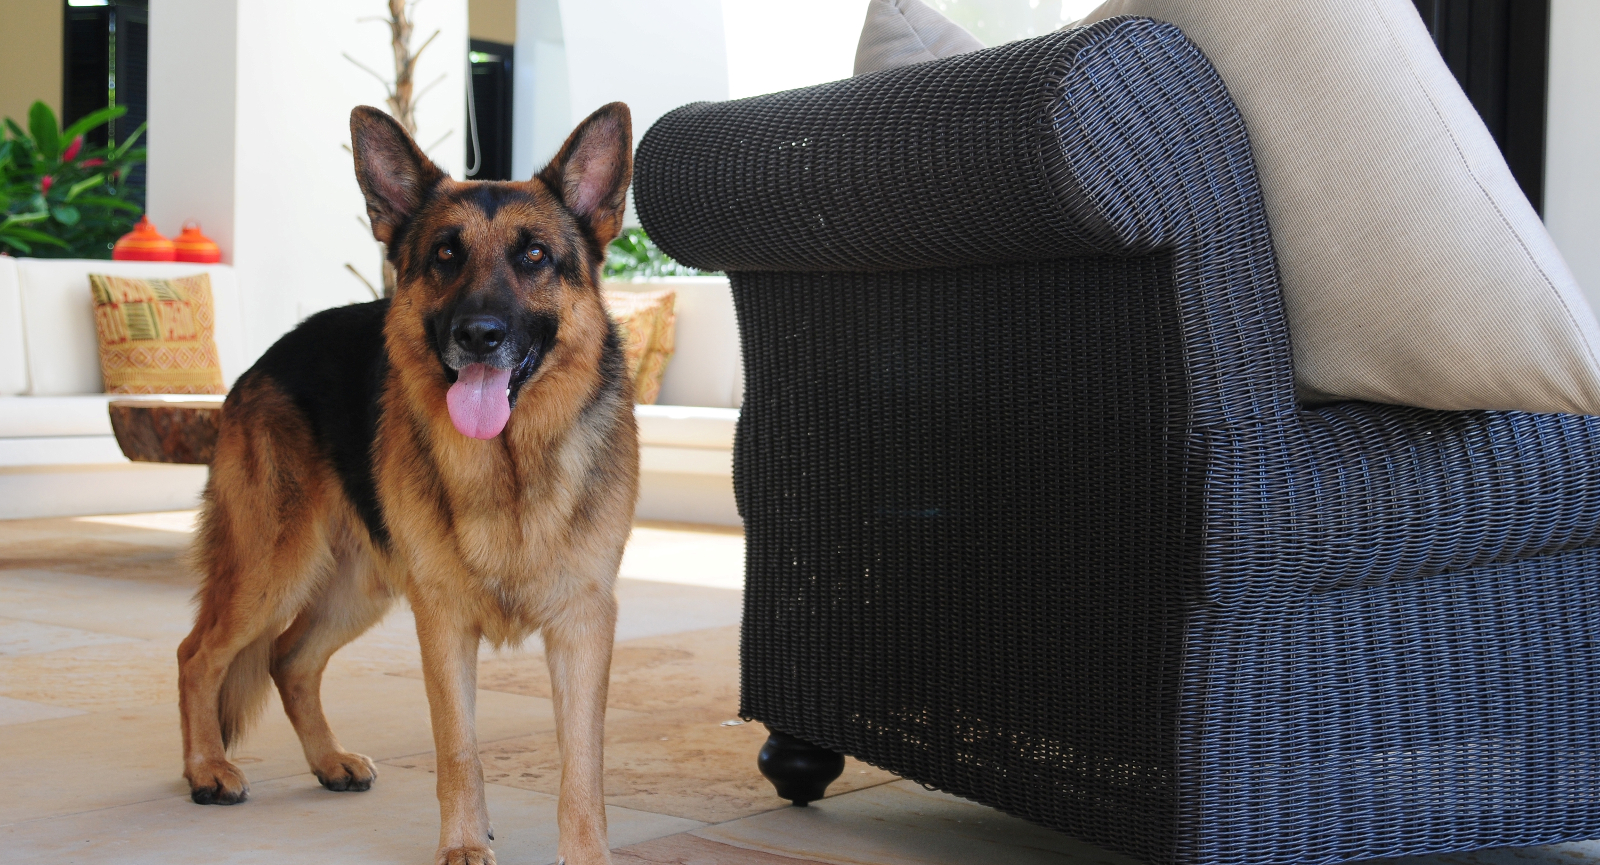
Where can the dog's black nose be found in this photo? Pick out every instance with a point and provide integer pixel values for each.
(479, 334)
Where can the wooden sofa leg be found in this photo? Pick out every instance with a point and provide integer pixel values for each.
(798, 769)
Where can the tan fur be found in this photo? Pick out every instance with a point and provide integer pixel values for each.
(491, 539)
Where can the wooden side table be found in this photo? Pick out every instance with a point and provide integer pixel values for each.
(167, 430)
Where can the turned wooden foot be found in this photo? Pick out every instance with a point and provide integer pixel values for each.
(798, 769)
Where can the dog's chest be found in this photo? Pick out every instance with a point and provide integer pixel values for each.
(514, 521)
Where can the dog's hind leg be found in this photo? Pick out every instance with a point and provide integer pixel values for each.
(262, 547)
(578, 648)
(350, 602)
(223, 665)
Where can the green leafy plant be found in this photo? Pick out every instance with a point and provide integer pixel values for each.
(633, 255)
(59, 198)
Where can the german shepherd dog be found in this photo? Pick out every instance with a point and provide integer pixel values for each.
(469, 443)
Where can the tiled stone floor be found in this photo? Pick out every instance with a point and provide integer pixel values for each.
(91, 612)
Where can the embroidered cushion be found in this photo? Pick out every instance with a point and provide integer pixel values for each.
(156, 335)
(645, 321)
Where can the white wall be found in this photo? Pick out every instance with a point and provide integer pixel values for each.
(1572, 149)
(280, 194)
(541, 114)
(776, 46)
(192, 117)
(650, 54)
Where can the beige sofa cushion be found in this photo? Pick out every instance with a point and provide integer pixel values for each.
(1414, 270)
(58, 319)
(903, 32)
(13, 361)
(81, 415)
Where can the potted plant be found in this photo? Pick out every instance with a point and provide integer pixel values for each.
(60, 198)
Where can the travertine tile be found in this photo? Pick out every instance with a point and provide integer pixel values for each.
(697, 668)
(147, 560)
(34, 638)
(682, 762)
(293, 820)
(646, 609)
(150, 611)
(689, 850)
(903, 824)
(157, 528)
(14, 711)
(114, 758)
(98, 678)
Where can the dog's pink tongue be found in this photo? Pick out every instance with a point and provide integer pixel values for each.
(477, 401)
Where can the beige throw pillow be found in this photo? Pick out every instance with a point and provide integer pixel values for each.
(903, 32)
(1414, 270)
(156, 335)
(646, 320)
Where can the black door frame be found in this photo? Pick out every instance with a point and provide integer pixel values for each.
(1499, 50)
(490, 92)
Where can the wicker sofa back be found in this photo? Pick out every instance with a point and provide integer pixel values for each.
(1033, 515)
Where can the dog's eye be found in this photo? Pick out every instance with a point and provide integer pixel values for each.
(534, 255)
(446, 253)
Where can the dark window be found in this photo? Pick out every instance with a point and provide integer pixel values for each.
(489, 111)
(1499, 50)
(105, 61)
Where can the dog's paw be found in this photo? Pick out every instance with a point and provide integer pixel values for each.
(592, 854)
(345, 771)
(217, 782)
(464, 856)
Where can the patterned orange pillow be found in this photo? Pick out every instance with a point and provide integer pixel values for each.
(156, 335)
(645, 320)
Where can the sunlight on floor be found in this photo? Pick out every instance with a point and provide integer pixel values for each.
(710, 556)
(165, 521)
(684, 553)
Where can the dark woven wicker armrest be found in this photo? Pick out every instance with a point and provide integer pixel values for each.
(1023, 152)
(1117, 138)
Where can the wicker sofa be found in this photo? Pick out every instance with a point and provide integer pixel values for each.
(1033, 513)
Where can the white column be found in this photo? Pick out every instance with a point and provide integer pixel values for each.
(575, 55)
(540, 116)
(1572, 161)
(817, 43)
(193, 51)
(249, 115)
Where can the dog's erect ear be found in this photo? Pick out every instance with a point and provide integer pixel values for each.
(592, 171)
(394, 174)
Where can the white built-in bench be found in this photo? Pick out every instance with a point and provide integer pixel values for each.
(58, 456)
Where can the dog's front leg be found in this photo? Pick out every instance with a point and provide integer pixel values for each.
(450, 669)
(578, 648)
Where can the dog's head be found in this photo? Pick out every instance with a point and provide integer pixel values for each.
(485, 271)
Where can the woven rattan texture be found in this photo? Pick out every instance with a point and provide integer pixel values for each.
(1033, 516)
(946, 574)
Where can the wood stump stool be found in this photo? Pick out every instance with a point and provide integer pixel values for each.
(166, 430)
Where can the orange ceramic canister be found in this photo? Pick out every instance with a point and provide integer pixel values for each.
(143, 243)
(191, 245)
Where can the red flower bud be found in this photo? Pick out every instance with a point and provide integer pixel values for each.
(46, 183)
(72, 149)
(90, 163)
